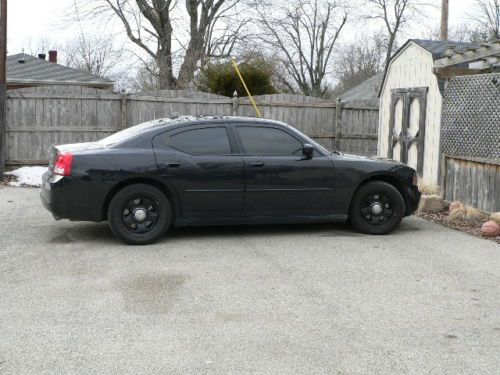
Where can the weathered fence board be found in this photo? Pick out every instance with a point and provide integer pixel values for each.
(473, 182)
(40, 117)
(358, 129)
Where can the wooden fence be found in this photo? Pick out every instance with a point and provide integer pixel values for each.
(475, 182)
(40, 117)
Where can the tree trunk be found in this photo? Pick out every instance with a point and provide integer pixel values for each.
(166, 78)
(194, 53)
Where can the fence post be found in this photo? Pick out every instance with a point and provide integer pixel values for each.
(123, 112)
(443, 167)
(338, 121)
(235, 103)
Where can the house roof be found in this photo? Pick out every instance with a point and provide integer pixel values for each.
(365, 91)
(36, 71)
(437, 48)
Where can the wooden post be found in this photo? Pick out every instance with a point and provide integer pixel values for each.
(338, 122)
(443, 167)
(235, 103)
(3, 84)
(123, 111)
(444, 20)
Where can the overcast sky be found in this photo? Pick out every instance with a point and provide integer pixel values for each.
(32, 20)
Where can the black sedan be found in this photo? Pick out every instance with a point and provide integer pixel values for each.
(222, 170)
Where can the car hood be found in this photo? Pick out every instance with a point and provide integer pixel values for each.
(375, 159)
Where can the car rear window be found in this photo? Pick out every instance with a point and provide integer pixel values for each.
(131, 132)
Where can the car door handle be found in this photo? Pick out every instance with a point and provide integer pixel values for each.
(257, 164)
(173, 164)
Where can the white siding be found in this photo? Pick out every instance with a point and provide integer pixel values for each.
(412, 67)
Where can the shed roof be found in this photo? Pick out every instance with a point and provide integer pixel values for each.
(36, 71)
(437, 48)
(365, 91)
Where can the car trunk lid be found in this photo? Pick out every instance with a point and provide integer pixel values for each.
(55, 151)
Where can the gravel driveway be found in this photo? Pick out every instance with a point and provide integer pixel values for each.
(299, 299)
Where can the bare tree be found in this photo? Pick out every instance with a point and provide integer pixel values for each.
(156, 27)
(93, 54)
(304, 38)
(488, 16)
(395, 15)
(37, 46)
(146, 78)
(358, 61)
(465, 32)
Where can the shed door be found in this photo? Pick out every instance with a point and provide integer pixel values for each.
(407, 126)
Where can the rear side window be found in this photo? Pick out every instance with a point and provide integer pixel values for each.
(206, 141)
(259, 140)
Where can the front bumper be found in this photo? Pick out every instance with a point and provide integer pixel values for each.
(412, 199)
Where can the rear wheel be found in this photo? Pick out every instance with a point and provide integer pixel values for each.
(139, 214)
(377, 208)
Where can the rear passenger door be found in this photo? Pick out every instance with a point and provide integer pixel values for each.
(201, 163)
(279, 180)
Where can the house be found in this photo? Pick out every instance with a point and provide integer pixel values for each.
(29, 71)
(366, 92)
(411, 99)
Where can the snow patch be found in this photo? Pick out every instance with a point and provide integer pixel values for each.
(27, 176)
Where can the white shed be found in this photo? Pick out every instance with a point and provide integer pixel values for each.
(410, 107)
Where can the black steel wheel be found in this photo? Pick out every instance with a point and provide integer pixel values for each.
(377, 208)
(139, 214)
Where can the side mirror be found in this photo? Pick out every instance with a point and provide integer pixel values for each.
(308, 150)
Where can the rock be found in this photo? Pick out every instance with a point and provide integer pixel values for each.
(490, 229)
(495, 217)
(431, 204)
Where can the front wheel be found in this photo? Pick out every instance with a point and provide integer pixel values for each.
(139, 214)
(377, 208)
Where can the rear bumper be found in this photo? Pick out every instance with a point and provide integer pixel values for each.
(66, 200)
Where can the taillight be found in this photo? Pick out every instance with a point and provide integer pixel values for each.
(63, 164)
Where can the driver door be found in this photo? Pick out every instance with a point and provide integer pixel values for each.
(279, 180)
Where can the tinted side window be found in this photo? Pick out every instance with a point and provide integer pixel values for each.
(259, 140)
(207, 141)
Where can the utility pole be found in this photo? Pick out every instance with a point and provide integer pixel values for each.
(444, 20)
(3, 83)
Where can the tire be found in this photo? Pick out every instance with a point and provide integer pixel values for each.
(139, 214)
(377, 208)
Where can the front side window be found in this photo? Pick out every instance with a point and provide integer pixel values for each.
(206, 141)
(259, 140)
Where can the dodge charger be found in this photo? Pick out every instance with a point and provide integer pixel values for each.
(222, 170)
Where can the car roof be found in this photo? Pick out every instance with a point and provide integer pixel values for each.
(181, 120)
(158, 126)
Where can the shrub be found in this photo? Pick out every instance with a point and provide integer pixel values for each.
(222, 79)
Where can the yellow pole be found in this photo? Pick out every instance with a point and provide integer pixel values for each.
(246, 88)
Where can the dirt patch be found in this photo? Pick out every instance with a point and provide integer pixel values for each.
(8, 178)
(471, 228)
(151, 294)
